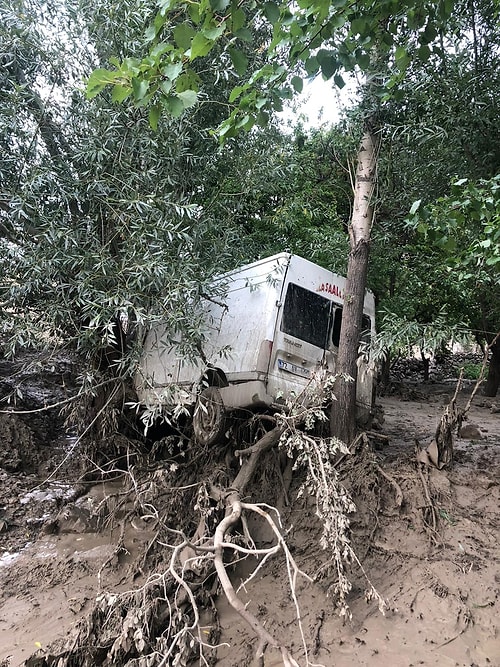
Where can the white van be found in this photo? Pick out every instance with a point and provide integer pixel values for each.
(278, 323)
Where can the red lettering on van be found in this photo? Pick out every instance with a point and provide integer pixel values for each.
(330, 289)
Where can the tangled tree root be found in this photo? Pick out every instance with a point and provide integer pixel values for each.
(159, 624)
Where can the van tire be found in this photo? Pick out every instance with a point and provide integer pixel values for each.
(209, 418)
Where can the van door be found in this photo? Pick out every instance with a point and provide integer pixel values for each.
(300, 339)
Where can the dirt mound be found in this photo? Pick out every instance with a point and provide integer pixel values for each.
(89, 564)
(16, 444)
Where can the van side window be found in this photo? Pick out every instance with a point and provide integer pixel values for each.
(306, 316)
(337, 323)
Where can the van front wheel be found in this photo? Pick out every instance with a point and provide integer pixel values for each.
(209, 418)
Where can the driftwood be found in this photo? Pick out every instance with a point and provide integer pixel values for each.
(440, 451)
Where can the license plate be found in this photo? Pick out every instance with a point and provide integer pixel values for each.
(292, 368)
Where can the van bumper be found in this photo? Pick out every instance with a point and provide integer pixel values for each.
(246, 395)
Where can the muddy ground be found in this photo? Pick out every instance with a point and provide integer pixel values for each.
(427, 539)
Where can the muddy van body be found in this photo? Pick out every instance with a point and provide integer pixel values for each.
(278, 323)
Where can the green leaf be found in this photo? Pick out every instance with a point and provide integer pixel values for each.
(285, 93)
(194, 12)
(183, 34)
(262, 118)
(154, 115)
(339, 81)
(189, 80)
(429, 34)
(166, 86)
(215, 32)
(219, 5)
(402, 58)
(450, 245)
(297, 83)
(363, 60)
(166, 5)
(415, 206)
(238, 19)
(400, 52)
(260, 102)
(239, 60)
(244, 34)
(150, 33)
(448, 7)
(328, 62)
(311, 65)
(160, 49)
(200, 46)
(359, 26)
(98, 80)
(246, 122)
(188, 97)
(271, 12)
(424, 53)
(120, 93)
(172, 70)
(173, 105)
(140, 88)
(235, 93)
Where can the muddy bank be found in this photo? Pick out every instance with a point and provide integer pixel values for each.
(427, 539)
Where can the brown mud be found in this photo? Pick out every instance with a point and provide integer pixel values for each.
(427, 539)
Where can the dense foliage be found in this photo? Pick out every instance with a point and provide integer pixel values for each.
(101, 215)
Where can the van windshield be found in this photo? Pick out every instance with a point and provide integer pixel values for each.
(306, 315)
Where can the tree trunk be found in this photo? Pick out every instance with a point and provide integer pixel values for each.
(343, 413)
(493, 380)
(426, 365)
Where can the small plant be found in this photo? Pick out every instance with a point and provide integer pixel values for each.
(472, 371)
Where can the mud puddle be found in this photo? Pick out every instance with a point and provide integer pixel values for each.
(49, 584)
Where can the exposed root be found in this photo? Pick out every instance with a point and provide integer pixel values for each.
(429, 512)
(236, 507)
(159, 623)
(393, 483)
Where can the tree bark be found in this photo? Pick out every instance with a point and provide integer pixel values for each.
(343, 412)
(493, 379)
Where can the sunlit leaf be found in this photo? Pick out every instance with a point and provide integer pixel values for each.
(98, 80)
(139, 88)
(200, 46)
(188, 97)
